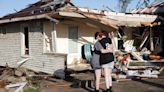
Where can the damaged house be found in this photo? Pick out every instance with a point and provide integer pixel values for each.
(156, 28)
(47, 36)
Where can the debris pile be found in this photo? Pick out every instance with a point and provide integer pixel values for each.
(142, 54)
(139, 63)
(18, 79)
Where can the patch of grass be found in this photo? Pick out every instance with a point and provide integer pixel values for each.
(32, 89)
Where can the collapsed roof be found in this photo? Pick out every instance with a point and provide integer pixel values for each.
(55, 10)
(155, 9)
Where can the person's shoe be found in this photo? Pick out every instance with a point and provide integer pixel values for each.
(96, 91)
(109, 90)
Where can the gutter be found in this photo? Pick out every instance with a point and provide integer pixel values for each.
(28, 18)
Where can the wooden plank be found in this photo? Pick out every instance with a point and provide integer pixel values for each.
(71, 14)
(143, 42)
(151, 24)
(52, 19)
(141, 64)
(151, 40)
(113, 41)
(137, 56)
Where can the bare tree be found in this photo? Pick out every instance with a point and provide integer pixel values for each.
(123, 4)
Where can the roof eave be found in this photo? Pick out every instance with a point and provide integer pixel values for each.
(23, 18)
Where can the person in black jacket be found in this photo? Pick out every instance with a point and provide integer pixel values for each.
(106, 59)
(103, 60)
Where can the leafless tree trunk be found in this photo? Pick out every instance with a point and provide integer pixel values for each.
(123, 4)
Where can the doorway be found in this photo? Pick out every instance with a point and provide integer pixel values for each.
(25, 41)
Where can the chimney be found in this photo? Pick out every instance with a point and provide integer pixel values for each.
(46, 0)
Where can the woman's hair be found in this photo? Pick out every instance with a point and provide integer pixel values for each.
(96, 34)
(105, 33)
(100, 34)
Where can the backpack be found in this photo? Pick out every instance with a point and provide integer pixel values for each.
(86, 52)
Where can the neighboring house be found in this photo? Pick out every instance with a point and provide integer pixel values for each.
(49, 38)
(157, 28)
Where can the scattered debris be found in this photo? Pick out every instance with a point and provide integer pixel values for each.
(18, 86)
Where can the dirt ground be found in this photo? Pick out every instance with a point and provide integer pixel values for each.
(83, 82)
(137, 85)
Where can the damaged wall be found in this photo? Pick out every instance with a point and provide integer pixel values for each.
(85, 34)
(39, 60)
(11, 44)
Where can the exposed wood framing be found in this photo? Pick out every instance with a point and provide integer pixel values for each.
(101, 20)
(141, 64)
(94, 17)
(151, 23)
(52, 19)
(131, 20)
(120, 19)
(145, 36)
(151, 40)
(113, 40)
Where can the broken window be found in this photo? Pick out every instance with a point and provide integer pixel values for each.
(2, 30)
(25, 41)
